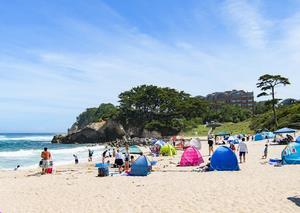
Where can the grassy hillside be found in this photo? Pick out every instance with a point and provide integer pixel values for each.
(234, 128)
(288, 116)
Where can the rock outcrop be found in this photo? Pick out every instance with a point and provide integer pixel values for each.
(98, 132)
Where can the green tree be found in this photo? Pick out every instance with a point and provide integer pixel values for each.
(162, 109)
(103, 112)
(267, 83)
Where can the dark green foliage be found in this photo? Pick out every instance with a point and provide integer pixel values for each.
(228, 113)
(103, 112)
(262, 107)
(162, 109)
(288, 116)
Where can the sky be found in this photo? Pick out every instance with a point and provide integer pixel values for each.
(59, 57)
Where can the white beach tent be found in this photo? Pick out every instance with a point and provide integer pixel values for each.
(196, 143)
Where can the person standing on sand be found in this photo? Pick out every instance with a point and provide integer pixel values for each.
(46, 157)
(265, 152)
(243, 149)
(210, 144)
(91, 152)
(127, 156)
(119, 161)
(104, 155)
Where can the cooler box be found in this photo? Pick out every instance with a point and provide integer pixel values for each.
(103, 169)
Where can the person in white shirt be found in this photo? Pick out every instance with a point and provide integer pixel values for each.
(243, 149)
(119, 160)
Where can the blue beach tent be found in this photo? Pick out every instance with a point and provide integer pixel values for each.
(140, 167)
(291, 154)
(258, 137)
(224, 159)
(285, 131)
(298, 139)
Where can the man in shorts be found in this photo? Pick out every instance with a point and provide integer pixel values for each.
(46, 157)
(243, 149)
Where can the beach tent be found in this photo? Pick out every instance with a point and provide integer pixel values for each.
(259, 137)
(233, 140)
(291, 154)
(195, 143)
(168, 150)
(191, 157)
(132, 150)
(285, 131)
(224, 159)
(269, 135)
(298, 139)
(160, 143)
(140, 167)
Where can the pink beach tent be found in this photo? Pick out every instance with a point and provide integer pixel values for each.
(191, 157)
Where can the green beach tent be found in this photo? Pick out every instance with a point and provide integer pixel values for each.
(168, 150)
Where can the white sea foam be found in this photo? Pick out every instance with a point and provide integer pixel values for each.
(35, 152)
(27, 138)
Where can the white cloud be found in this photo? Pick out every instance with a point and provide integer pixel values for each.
(246, 19)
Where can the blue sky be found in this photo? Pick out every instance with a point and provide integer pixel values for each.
(59, 57)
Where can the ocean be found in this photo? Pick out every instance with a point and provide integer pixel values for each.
(24, 149)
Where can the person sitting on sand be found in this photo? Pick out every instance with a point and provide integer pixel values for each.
(131, 159)
(46, 157)
(15, 169)
(243, 149)
(265, 152)
(76, 159)
(119, 160)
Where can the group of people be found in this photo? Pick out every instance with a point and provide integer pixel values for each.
(242, 148)
(122, 161)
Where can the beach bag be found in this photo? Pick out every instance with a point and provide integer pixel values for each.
(49, 171)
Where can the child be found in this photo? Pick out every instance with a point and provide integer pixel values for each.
(232, 147)
(265, 152)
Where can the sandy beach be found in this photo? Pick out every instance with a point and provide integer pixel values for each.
(257, 187)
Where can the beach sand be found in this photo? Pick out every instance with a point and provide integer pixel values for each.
(258, 187)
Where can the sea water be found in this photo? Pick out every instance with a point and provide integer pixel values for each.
(25, 149)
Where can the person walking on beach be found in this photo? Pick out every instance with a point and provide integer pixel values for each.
(265, 152)
(210, 144)
(46, 157)
(243, 149)
(91, 152)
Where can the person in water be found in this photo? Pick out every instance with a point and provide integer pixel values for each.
(76, 159)
(46, 157)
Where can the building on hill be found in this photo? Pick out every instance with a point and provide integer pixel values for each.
(288, 101)
(234, 97)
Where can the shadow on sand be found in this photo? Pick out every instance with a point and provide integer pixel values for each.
(295, 199)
